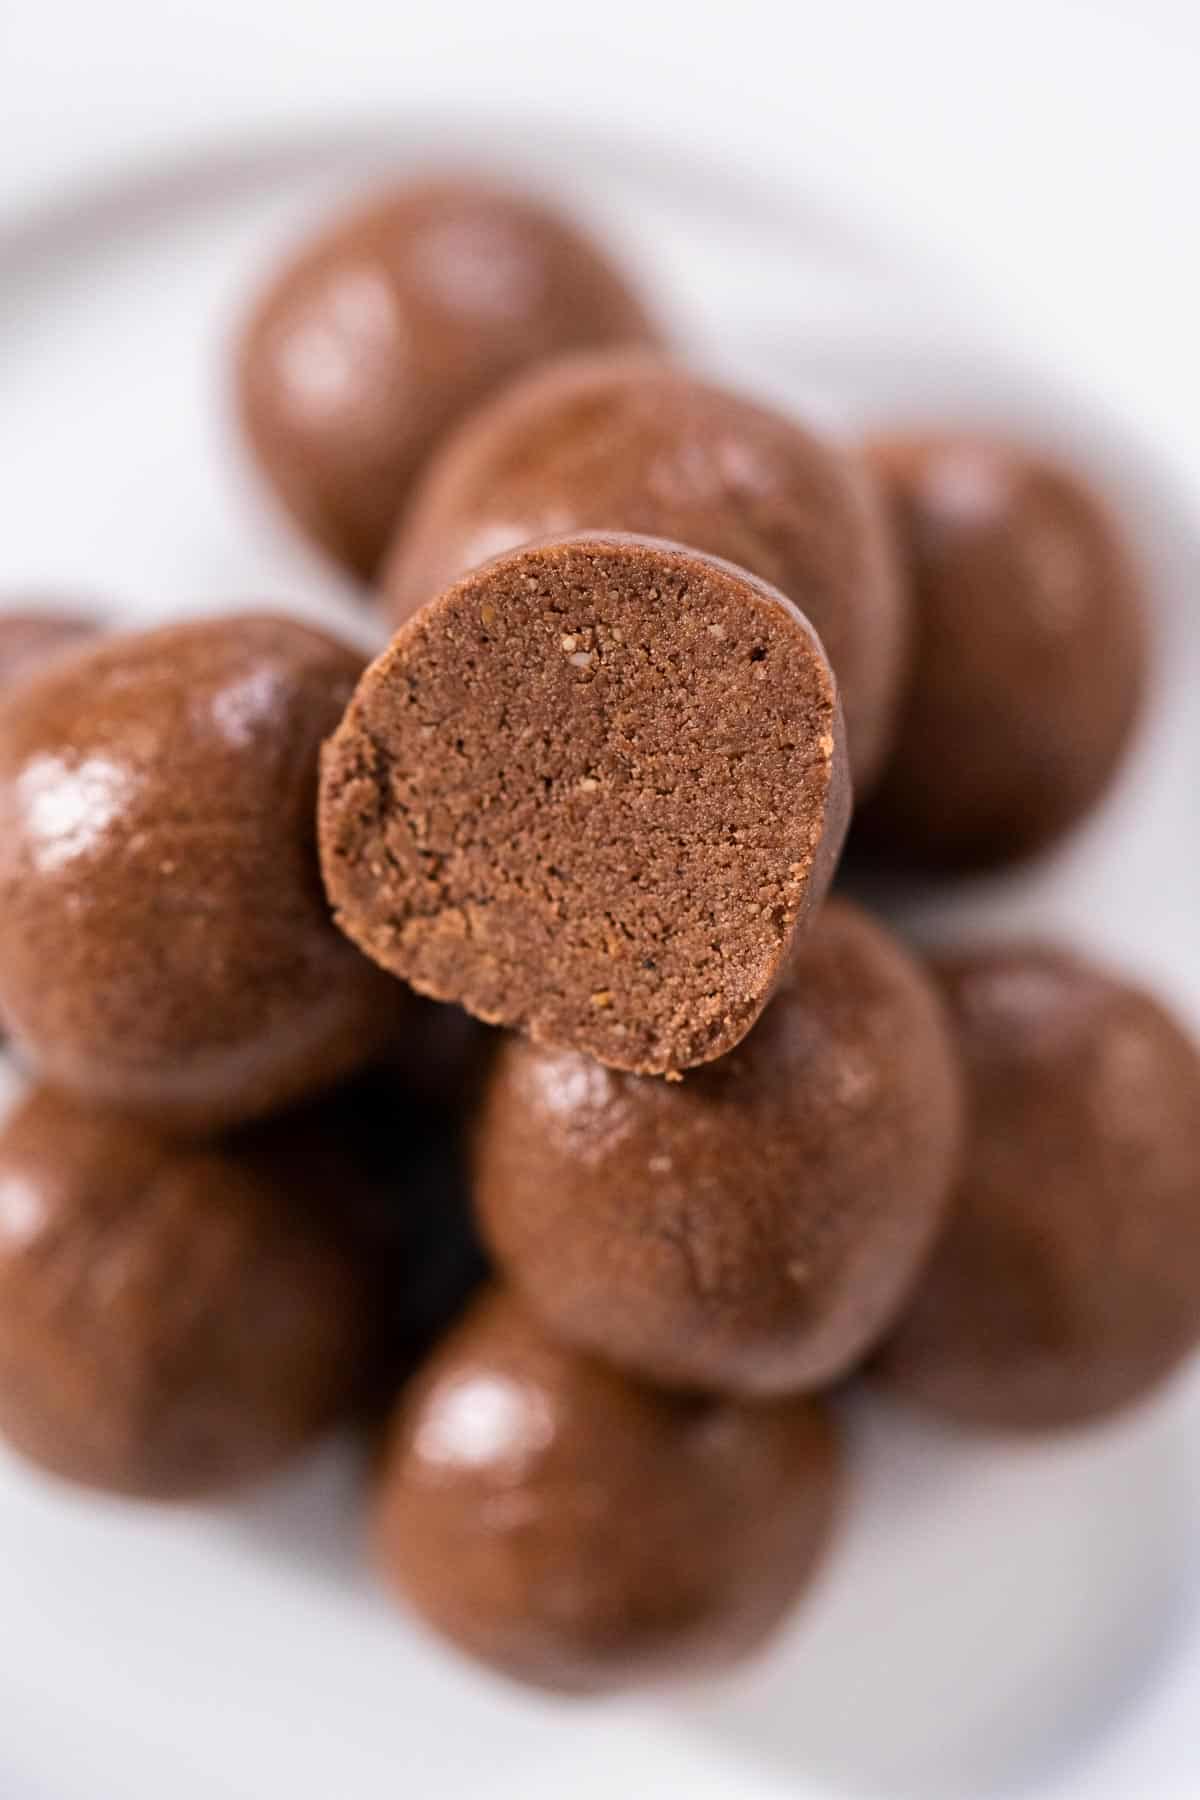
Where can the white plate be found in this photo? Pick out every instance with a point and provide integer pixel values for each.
(998, 1618)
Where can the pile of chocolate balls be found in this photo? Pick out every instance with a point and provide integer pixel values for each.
(476, 1047)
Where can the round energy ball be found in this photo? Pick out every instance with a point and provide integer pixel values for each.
(583, 1534)
(390, 325)
(754, 1229)
(176, 1319)
(593, 791)
(1066, 1284)
(165, 946)
(1030, 656)
(622, 440)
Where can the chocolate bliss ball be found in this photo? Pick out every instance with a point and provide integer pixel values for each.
(1067, 1282)
(754, 1229)
(593, 791)
(1029, 665)
(175, 1319)
(165, 946)
(627, 441)
(582, 1534)
(389, 326)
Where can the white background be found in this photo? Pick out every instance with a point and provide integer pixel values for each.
(1041, 160)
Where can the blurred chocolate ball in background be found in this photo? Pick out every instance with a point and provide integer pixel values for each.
(1066, 1284)
(390, 324)
(1031, 644)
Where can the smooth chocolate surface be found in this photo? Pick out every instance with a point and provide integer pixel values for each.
(29, 638)
(1067, 1283)
(391, 324)
(165, 946)
(175, 1319)
(593, 791)
(1030, 657)
(755, 1228)
(628, 441)
(583, 1534)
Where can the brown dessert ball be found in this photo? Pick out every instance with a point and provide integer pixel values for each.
(165, 946)
(175, 1319)
(593, 791)
(1067, 1282)
(29, 638)
(1030, 658)
(627, 441)
(583, 1534)
(756, 1228)
(389, 326)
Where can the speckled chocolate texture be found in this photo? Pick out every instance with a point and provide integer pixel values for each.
(175, 1320)
(389, 326)
(1030, 654)
(593, 791)
(165, 946)
(755, 1228)
(582, 1534)
(1067, 1284)
(627, 441)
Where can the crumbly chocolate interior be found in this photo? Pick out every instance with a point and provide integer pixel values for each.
(591, 792)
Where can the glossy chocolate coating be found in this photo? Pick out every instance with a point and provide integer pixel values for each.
(175, 1319)
(1030, 654)
(391, 325)
(627, 441)
(1067, 1282)
(165, 946)
(583, 1534)
(755, 1228)
(594, 791)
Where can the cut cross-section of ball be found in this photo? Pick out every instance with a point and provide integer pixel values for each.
(593, 792)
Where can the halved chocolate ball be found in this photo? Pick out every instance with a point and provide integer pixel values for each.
(1030, 654)
(593, 792)
(628, 441)
(1067, 1282)
(165, 946)
(756, 1228)
(391, 324)
(583, 1534)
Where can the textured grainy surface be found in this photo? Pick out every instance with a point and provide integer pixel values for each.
(578, 1532)
(1030, 652)
(1067, 1283)
(755, 1227)
(627, 441)
(165, 945)
(175, 1320)
(394, 322)
(593, 792)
